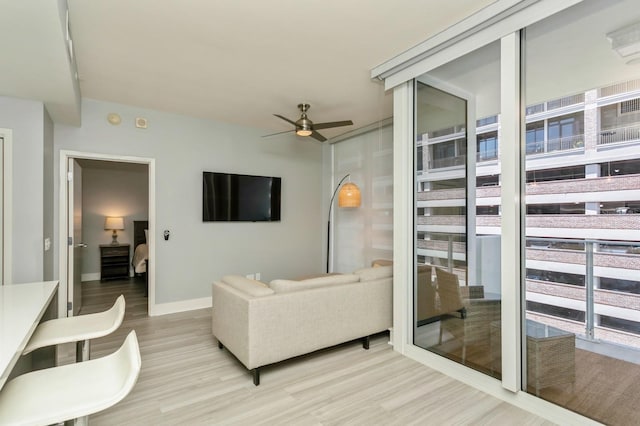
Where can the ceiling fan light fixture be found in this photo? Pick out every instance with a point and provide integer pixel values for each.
(303, 132)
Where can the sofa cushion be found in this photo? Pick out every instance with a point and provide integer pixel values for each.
(248, 286)
(374, 273)
(381, 262)
(284, 286)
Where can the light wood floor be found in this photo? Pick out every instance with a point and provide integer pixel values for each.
(187, 380)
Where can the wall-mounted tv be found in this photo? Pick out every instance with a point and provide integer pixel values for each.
(240, 198)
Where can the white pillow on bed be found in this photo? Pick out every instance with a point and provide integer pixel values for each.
(146, 236)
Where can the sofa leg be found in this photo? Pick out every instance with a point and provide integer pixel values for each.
(256, 376)
(365, 342)
(220, 345)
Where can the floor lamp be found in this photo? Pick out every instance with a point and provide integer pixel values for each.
(348, 197)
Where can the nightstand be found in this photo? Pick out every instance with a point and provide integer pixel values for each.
(114, 261)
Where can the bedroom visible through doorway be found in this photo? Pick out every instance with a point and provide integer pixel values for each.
(117, 190)
(97, 264)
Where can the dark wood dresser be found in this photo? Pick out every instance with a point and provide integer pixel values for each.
(114, 261)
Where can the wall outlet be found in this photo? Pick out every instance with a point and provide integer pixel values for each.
(47, 244)
(251, 276)
(257, 276)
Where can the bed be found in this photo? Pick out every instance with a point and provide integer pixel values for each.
(140, 260)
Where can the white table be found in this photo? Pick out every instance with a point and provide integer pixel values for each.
(21, 308)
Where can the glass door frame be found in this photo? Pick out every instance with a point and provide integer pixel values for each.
(470, 189)
(400, 79)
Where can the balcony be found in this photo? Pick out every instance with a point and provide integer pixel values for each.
(441, 163)
(553, 145)
(619, 134)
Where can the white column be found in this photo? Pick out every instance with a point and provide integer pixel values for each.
(592, 171)
(403, 188)
(512, 191)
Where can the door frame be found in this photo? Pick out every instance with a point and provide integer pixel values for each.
(6, 204)
(63, 221)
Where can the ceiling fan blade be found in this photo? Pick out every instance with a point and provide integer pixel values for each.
(317, 136)
(332, 124)
(285, 119)
(279, 133)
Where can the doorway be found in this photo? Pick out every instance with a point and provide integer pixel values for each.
(112, 192)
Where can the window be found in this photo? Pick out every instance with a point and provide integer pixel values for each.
(487, 146)
(565, 132)
(535, 137)
(627, 107)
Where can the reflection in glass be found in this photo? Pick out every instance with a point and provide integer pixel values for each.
(457, 264)
(583, 177)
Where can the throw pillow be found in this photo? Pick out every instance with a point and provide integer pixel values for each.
(374, 273)
(248, 286)
(285, 286)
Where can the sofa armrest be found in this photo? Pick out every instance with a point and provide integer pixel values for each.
(230, 319)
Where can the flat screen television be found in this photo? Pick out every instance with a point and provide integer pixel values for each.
(240, 198)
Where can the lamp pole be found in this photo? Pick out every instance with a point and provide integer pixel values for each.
(329, 218)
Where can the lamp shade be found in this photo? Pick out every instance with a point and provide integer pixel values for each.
(349, 195)
(115, 223)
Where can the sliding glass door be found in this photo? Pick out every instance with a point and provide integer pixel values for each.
(456, 213)
(582, 260)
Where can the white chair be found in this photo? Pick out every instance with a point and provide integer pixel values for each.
(80, 329)
(59, 394)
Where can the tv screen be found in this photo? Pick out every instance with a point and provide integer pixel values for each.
(240, 198)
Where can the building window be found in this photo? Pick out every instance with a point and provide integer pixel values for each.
(632, 105)
(487, 146)
(535, 137)
(565, 132)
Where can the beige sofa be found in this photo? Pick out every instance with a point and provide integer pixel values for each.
(263, 324)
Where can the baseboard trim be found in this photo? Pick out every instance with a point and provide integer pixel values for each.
(93, 276)
(181, 306)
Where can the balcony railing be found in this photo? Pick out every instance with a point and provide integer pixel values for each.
(620, 134)
(591, 294)
(447, 162)
(563, 144)
(555, 104)
(552, 145)
(616, 89)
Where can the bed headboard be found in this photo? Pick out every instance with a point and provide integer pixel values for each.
(138, 232)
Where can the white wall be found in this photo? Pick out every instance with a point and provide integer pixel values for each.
(122, 190)
(47, 199)
(183, 147)
(26, 119)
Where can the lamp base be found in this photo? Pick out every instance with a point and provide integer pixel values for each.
(114, 238)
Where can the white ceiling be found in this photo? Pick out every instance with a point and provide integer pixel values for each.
(233, 61)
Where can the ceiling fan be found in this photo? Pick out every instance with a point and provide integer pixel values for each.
(305, 127)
